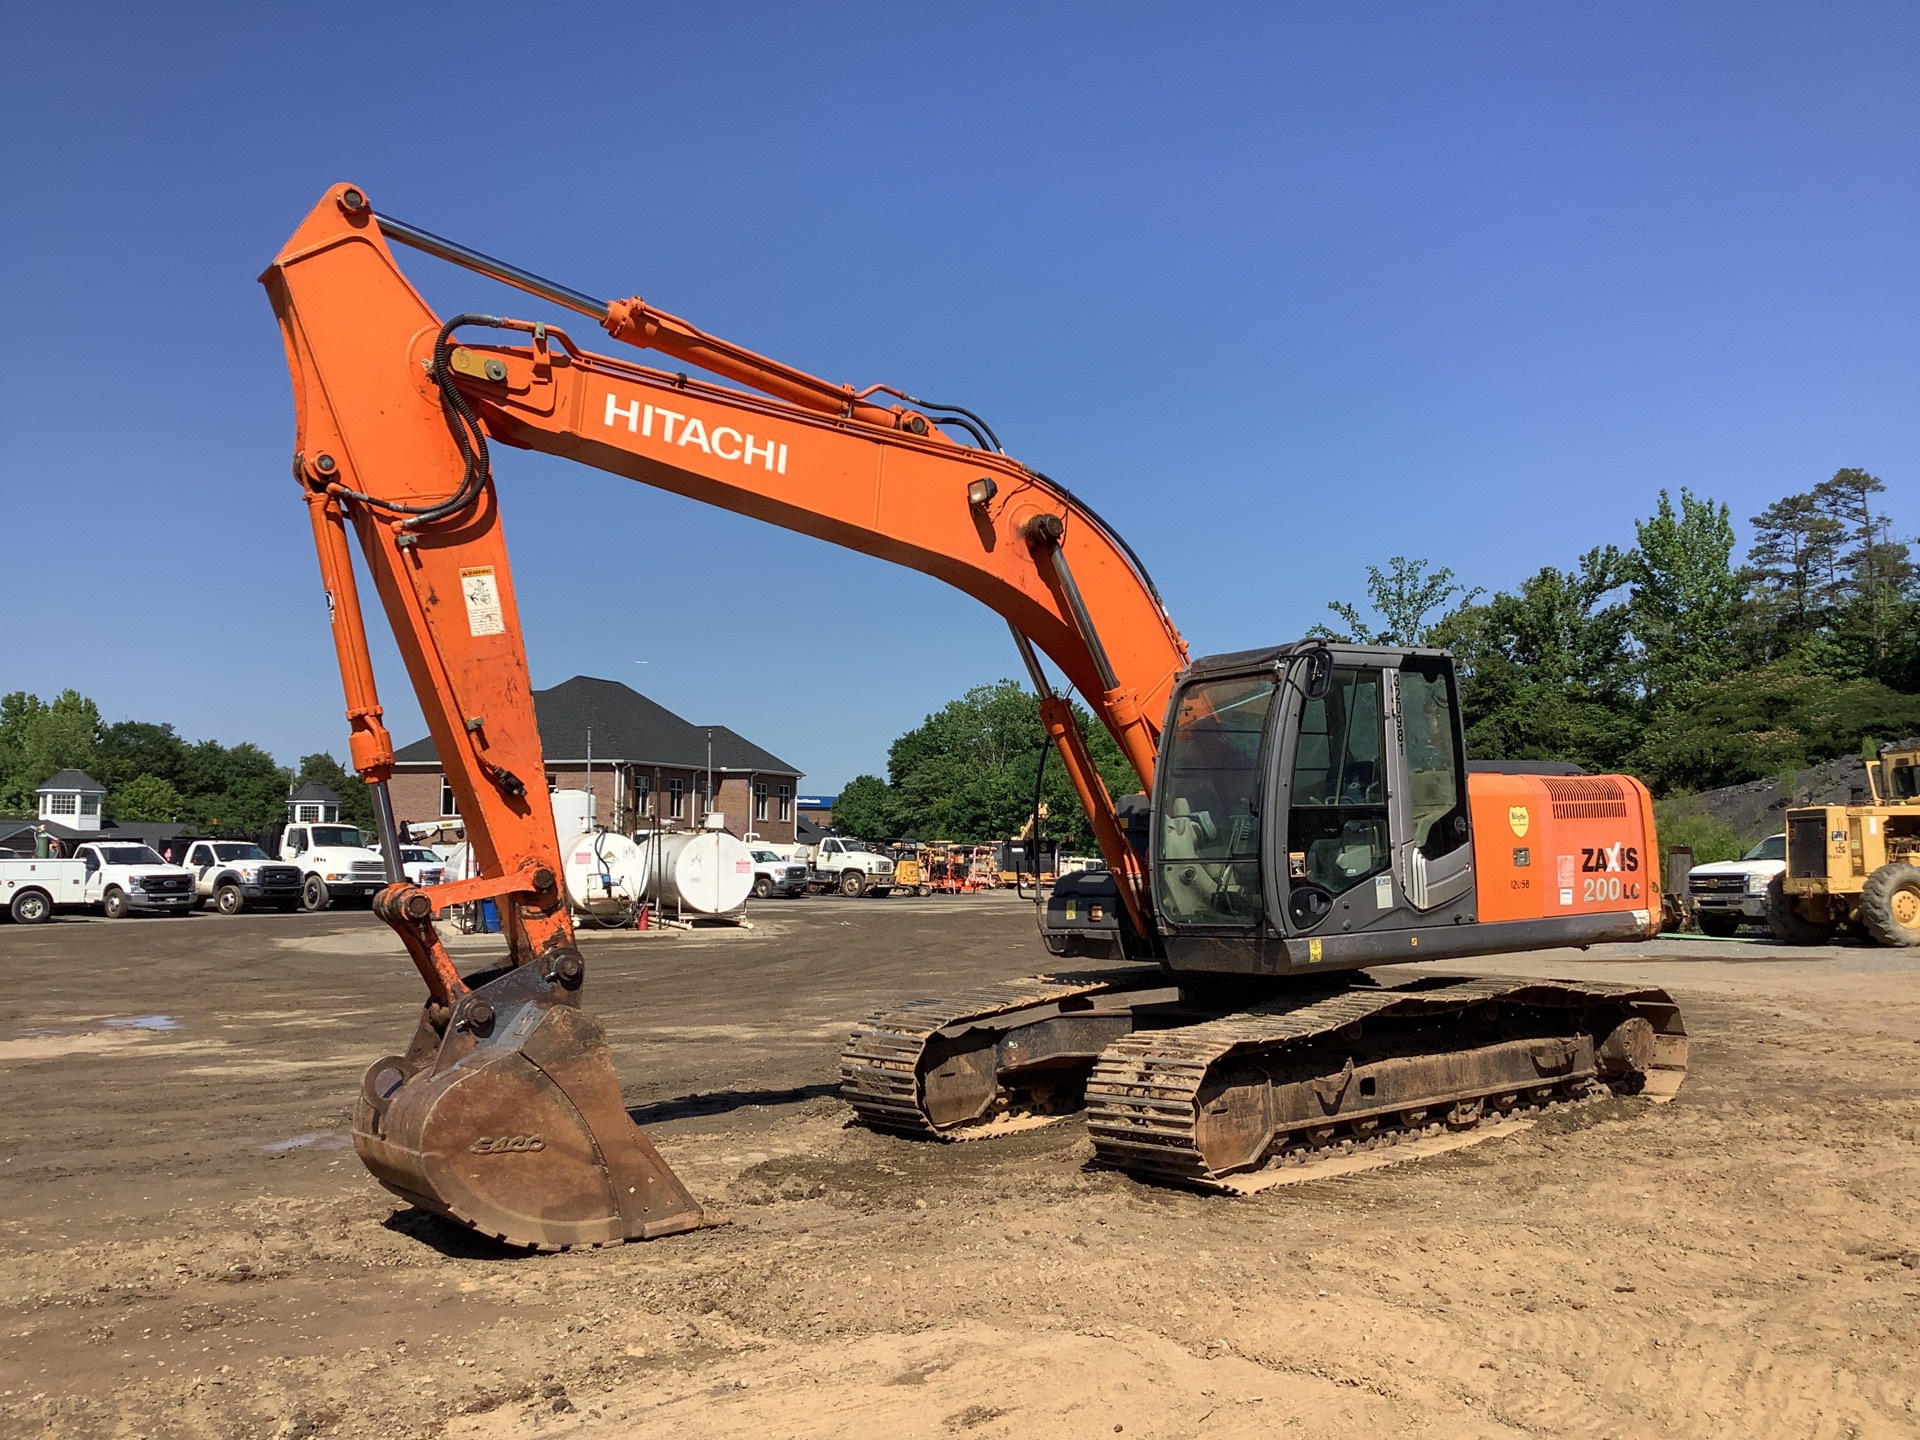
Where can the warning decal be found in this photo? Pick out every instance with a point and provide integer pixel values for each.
(482, 592)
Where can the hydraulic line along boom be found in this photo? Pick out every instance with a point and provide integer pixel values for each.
(504, 1110)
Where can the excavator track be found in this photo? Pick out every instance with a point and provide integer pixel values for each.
(1292, 1078)
(912, 1070)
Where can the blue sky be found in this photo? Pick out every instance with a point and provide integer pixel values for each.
(1282, 290)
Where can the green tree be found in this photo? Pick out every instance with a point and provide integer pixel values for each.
(864, 809)
(148, 798)
(967, 772)
(1403, 596)
(1545, 672)
(1683, 597)
(1756, 724)
(1876, 568)
(1792, 575)
(38, 739)
(252, 794)
(131, 748)
(1710, 839)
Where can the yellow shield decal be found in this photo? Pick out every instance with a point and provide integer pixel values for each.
(1518, 818)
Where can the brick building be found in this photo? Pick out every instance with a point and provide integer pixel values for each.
(650, 767)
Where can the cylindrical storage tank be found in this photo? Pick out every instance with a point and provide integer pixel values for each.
(703, 872)
(604, 877)
(462, 863)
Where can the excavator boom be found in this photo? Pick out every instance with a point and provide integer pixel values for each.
(395, 419)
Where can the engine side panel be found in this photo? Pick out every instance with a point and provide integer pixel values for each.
(1548, 847)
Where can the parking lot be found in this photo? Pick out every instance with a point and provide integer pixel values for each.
(188, 1245)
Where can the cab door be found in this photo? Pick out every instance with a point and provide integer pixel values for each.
(1372, 788)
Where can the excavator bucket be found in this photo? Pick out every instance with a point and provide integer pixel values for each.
(505, 1115)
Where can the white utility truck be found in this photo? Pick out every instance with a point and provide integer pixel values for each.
(238, 875)
(124, 876)
(850, 866)
(31, 890)
(335, 861)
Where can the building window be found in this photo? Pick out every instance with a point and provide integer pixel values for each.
(759, 799)
(307, 814)
(89, 804)
(786, 802)
(677, 794)
(643, 795)
(62, 804)
(448, 805)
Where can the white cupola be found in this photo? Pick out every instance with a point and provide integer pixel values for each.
(72, 798)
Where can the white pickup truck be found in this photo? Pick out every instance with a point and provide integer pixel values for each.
(422, 866)
(850, 866)
(335, 863)
(1730, 893)
(124, 876)
(238, 875)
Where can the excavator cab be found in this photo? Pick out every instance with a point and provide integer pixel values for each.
(1308, 792)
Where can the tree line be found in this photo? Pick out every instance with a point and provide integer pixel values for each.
(1675, 660)
(151, 774)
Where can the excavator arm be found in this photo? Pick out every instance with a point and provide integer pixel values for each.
(397, 412)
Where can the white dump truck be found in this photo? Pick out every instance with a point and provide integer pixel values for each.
(850, 866)
(335, 861)
(123, 876)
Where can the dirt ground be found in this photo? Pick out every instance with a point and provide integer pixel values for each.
(188, 1246)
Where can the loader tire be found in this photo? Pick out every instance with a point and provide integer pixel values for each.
(1789, 926)
(1890, 905)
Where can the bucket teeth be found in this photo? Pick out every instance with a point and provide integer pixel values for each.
(515, 1126)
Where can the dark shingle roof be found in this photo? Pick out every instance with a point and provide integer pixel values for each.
(314, 793)
(627, 728)
(72, 780)
(733, 751)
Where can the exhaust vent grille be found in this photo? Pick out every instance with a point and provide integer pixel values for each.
(1577, 798)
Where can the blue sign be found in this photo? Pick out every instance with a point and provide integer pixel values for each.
(816, 802)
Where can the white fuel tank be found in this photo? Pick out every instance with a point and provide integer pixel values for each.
(605, 874)
(572, 812)
(462, 863)
(705, 872)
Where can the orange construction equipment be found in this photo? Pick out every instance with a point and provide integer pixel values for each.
(1306, 809)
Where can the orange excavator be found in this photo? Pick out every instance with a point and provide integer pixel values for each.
(1307, 809)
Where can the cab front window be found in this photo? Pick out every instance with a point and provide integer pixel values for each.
(1208, 815)
(1904, 782)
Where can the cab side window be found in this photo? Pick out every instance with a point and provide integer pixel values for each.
(1434, 765)
(1337, 831)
